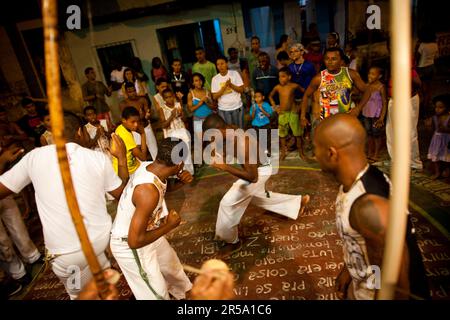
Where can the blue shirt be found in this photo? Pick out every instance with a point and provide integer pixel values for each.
(302, 74)
(261, 119)
(203, 111)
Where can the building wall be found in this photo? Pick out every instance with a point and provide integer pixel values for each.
(143, 32)
(10, 65)
(358, 18)
(292, 20)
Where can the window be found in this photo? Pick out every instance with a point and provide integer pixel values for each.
(121, 52)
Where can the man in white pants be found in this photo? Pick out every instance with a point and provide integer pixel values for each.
(148, 262)
(92, 176)
(416, 163)
(250, 188)
(11, 219)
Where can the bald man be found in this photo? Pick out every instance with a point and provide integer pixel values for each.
(251, 185)
(362, 209)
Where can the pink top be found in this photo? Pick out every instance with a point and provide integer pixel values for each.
(373, 107)
(159, 73)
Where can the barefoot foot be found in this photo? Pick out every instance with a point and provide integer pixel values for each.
(304, 203)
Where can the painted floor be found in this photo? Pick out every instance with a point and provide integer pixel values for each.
(282, 258)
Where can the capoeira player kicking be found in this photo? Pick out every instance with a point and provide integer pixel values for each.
(148, 262)
(250, 188)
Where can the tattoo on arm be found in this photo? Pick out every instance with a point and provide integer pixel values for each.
(364, 217)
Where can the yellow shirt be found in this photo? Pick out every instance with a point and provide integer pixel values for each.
(130, 144)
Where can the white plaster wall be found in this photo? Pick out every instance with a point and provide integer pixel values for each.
(143, 32)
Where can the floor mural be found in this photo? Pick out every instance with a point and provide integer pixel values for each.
(280, 258)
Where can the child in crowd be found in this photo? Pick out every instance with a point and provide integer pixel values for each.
(131, 122)
(96, 132)
(158, 70)
(199, 102)
(10, 130)
(161, 84)
(129, 76)
(47, 136)
(288, 112)
(260, 113)
(314, 55)
(171, 122)
(439, 149)
(283, 59)
(374, 112)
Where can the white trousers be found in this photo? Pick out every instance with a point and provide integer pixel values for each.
(73, 270)
(11, 219)
(241, 194)
(416, 163)
(150, 139)
(161, 264)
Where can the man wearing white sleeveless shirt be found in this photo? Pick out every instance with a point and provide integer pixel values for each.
(148, 262)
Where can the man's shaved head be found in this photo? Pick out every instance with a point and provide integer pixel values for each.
(341, 130)
(339, 138)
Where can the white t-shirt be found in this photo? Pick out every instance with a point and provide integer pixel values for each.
(117, 75)
(230, 100)
(92, 175)
(428, 53)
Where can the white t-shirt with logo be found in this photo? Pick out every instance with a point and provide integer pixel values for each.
(92, 175)
(230, 100)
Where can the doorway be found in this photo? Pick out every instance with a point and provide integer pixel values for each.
(180, 42)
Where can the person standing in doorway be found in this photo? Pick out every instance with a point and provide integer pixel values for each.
(204, 67)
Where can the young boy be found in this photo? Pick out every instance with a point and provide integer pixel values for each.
(150, 265)
(160, 85)
(95, 132)
(141, 105)
(204, 67)
(288, 116)
(180, 82)
(283, 59)
(260, 113)
(47, 137)
(171, 122)
(179, 79)
(130, 122)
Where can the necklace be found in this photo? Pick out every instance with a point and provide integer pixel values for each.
(175, 76)
(297, 71)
